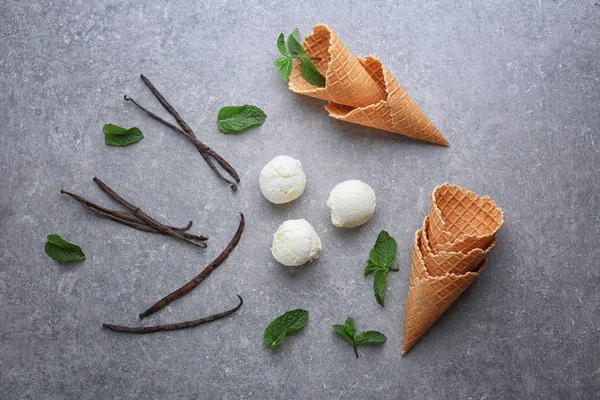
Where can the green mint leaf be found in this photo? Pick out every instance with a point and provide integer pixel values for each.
(281, 45)
(115, 135)
(384, 251)
(370, 268)
(341, 329)
(285, 65)
(348, 331)
(281, 61)
(370, 337)
(63, 251)
(237, 118)
(379, 284)
(294, 43)
(310, 72)
(283, 325)
(349, 325)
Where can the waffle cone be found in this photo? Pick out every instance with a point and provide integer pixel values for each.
(430, 296)
(348, 82)
(454, 262)
(398, 113)
(361, 91)
(418, 268)
(460, 220)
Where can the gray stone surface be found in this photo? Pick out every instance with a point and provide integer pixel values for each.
(515, 88)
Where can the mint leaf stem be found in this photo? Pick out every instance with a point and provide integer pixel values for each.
(348, 332)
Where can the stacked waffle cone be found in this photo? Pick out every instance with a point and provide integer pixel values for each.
(450, 251)
(361, 91)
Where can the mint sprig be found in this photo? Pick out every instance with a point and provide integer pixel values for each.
(294, 44)
(238, 118)
(348, 332)
(115, 135)
(283, 325)
(63, 251)
(381, 259)
(293, 50)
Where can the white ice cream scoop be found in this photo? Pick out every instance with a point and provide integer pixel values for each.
(282, 180)
(296, 243)
(351, 204)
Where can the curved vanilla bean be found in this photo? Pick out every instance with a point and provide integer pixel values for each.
(185, 289)
(173, 327)
(143, 216)
(118, 214)
(205, 151)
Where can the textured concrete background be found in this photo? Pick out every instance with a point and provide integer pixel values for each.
(515, 88)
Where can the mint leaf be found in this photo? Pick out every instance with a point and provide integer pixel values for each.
(285, 65)
(281, 61)
(379, 284)
(115, 135)
(341, 329)
(349, 325)
(370, 268)
(310, 72)
(281, 326)
(294, 44)
(348, 331)
(381, 259)
(63, 251)
(370, 337)
(384, 251)
(237, 118)
(281, 45)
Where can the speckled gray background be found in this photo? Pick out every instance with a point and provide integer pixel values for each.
(515, 88)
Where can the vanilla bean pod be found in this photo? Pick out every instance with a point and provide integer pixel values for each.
(173, 327)
(186, 131)
(130, 219)
(143, 216)
(201, 147)
(182, 291)
(171, 110)
(119, 216)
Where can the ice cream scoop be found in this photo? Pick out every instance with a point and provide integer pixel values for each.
(282, 180)
(296, 243)
(351, 204)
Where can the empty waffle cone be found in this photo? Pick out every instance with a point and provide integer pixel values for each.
(347, 82)
(398, 113)
(460, 220)
(361, 91)
(418, 268)
(430, 296)
(453, 262)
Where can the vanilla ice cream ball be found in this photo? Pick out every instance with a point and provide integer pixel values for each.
(282, 180)
(351, 204)
(296, 243)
